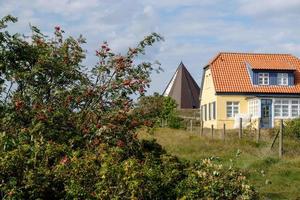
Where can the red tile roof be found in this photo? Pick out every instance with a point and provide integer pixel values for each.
(230, 73)
(271, 65)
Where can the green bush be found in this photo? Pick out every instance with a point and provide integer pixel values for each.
(207, 180)
(156, 107)
(175, 122)
(292, 128)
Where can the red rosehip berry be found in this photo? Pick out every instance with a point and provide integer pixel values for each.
(98, 126)
(134, 123)
(64, 160)
(85, 131)
(57, 28)
(141, 90)
(19, 104)
(120, 143)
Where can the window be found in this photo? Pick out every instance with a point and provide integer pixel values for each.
(253, 107)
(263, 78)
(214, 110)
(295, 108)
(232, 108)
(281, 108)
(282, 78)
(205, 112)
(287, 108)
(209, 111)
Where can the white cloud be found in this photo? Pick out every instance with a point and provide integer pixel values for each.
(269, 7)
(194, 30)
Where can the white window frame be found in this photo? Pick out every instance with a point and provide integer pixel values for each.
(295, 104)
(253, 108)
(290, 103)
(282, 79)
(263, 78)
(233, 105)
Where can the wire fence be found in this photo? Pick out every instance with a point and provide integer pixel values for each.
(195, 125)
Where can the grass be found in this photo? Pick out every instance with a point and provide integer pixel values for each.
(274, 178)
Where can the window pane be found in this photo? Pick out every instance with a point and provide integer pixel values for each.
(229, 111)
(285, 110)
(263, 78)
(209, 111)
(214, 110)
(229, 114)
(232, 108)
(229, 103)
(235, 110)
(266, 81)
(277, 102)
(294, 111)
(285, 102)
(282, 79)
(277, 109)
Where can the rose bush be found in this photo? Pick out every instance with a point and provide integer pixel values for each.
(69, 133)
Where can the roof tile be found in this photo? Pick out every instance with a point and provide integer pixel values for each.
(230, 72)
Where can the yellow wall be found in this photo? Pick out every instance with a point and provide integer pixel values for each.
(208, 96)
(221, 109)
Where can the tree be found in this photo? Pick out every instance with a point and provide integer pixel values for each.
(67, 133)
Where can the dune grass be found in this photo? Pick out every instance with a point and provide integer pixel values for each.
(274, 178)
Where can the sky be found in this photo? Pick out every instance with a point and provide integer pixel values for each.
(194, 30)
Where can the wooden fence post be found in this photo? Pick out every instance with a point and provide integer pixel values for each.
(241, 128)
(212, 131)
(281, 139)
(224, 131)
(191, 125)
(258, 131)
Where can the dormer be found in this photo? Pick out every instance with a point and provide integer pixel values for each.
(271, 72)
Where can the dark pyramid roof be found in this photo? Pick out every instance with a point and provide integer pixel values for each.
(183, 88)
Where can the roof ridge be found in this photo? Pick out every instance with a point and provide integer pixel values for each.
(246, 53)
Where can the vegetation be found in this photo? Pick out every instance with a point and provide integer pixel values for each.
(69, 133)
(292, 128)
(274, 178)
(158, 107)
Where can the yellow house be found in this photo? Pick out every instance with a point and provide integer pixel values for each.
(257, 88)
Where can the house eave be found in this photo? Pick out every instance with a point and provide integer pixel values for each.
(297, 95)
